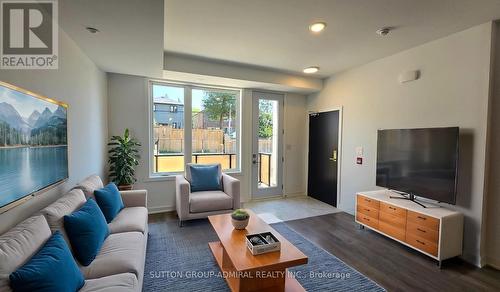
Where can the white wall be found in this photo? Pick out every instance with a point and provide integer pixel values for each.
(452, 91)
(80, 84)
(189, 68)
(128, 108)
(493, 204)
(295, 144)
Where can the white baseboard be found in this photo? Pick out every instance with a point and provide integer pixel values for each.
(294, 195)
(160, 209)
(494, 263)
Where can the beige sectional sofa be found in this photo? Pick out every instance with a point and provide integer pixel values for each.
(118, 267)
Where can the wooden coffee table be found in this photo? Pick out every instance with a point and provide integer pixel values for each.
(246, 272)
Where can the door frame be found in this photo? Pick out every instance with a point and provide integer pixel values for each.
(281, 128)
(340, 150)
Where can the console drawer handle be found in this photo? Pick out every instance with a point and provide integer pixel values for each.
(421, 230)
(421, 242)
(367, 219)
(392, 208)
(420, 217)
(368, 210)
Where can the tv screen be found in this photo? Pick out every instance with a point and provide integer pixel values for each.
(422, 162)
(33, 143)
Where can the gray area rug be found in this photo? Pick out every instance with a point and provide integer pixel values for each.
(179, 259)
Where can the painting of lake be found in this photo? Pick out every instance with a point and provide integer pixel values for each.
(33, 143)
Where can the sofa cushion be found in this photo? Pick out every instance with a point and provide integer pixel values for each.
(109, 200)
(205, 178)
(87, 229)
(120, 253)
(188, 170)
(89, 185)
(51, 269)
(209, 201)
(130, 219)
(19, 244)
(65, 205)
(126, 282)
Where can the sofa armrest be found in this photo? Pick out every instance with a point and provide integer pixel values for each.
(182, 191)
(135, 198)
(231, 187)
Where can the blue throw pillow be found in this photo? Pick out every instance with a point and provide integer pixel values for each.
(204, 178)
(51, 269)
(87, 229)
(110, 201)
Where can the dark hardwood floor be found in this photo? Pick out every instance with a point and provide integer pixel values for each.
(390, 264)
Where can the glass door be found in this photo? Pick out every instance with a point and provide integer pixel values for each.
(267, 156)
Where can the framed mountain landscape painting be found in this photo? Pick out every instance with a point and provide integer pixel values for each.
(33, 144)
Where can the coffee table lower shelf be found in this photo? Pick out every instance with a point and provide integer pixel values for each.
(250, 284)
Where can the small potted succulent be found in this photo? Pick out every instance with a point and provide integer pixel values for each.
(240, 218)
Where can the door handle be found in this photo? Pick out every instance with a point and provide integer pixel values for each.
(255, 159)
(334, 156)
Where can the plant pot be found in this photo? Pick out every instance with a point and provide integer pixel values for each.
(125, 187)
(240, 224)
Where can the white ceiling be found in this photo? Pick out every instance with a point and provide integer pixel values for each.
(274, 33)
(130, 40)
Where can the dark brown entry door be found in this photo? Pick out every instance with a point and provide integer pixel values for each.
(323, 156)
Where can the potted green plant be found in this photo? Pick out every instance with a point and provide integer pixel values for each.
(240, 218)
(123, 157)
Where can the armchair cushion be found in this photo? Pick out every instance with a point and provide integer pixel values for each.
(204, 177)
(208, 201)
(188, 170)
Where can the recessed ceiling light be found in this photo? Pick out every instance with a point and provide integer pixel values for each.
(311, 70)
(317, 27)
(92, 29)
(384, 31)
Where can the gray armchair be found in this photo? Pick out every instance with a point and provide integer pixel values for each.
(195, 205)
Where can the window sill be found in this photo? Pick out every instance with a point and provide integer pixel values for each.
(171, 177)
(164, 177)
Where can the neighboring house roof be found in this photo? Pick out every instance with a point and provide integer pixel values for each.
(166, 100)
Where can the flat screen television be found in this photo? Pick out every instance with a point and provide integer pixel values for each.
(33, 144)
(420, 162)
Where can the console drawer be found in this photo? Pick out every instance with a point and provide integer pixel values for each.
(398, 233)
(423, 220)
(393, 220)
(422, 244)
(393, 210)
(365, 201)
(422, 231)
(370, 221)
(369, 211)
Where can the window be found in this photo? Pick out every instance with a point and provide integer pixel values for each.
(168, 133)
(213, 125)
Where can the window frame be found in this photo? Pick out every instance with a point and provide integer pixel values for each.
(188, 127)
